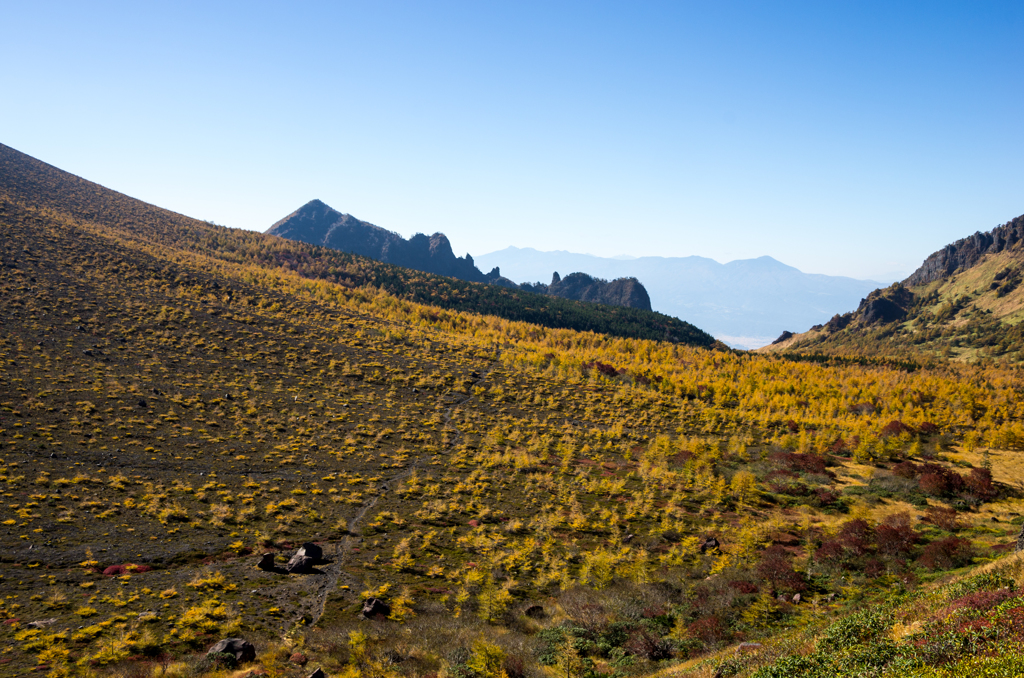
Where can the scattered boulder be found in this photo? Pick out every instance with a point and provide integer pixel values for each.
(319, 673)
(709, 544)
(300, 564)
(311, 550)
(796, 598)
(241, 649)
(534, 612)
(266, 562)
(1020, 540)
(41, 623)
(373, 607)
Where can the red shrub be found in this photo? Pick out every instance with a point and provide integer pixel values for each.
(831, 552)
(709, 630)
(981, 601)
(934, 483)
(604, 368)
(838, 447)
(947, 553)
(979, 483)
(855, 536)
(940, 481)
(805, 463)
(744, 586)
(826, 497)
(943, 518)
(114, 570)
(895, 536)
(644, 643)
(776, 566)
(894, 428)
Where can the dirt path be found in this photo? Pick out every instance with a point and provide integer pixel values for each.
(334, 571)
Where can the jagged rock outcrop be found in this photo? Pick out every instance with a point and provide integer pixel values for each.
(967, 252)
(885, 305)
(583, 287)
(319, 224)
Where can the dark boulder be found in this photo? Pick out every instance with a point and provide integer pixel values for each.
(311, 550)
(534, 612)
(319, 673)
(300, 564)
(1020, 540)
(266, 562)
(373, 607)
(241, 649)
(709, 544)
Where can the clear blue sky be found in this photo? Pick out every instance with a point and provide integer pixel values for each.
(849, 138)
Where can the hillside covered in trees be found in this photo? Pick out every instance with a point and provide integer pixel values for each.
(964, 303)
(34, 183)
(208, 434)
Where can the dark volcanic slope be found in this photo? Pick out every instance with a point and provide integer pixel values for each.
(36, 185)
(319, 224)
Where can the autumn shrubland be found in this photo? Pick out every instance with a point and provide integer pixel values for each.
(177, 399)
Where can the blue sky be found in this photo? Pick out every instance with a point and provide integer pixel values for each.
(838, 137)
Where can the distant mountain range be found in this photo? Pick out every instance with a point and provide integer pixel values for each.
(745, 303)
(965, 302)
(319, 224)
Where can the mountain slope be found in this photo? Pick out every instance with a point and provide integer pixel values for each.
(964, 302)
(33, 183)
(184, 407)
(746, 303)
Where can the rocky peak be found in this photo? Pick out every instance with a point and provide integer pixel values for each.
(319, 224)
(967, 252)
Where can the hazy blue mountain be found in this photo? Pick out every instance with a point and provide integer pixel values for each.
(746, 303)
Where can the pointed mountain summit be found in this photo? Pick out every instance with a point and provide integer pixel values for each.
(317, 223)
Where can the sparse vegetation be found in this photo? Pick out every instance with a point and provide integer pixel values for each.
(524, 499)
